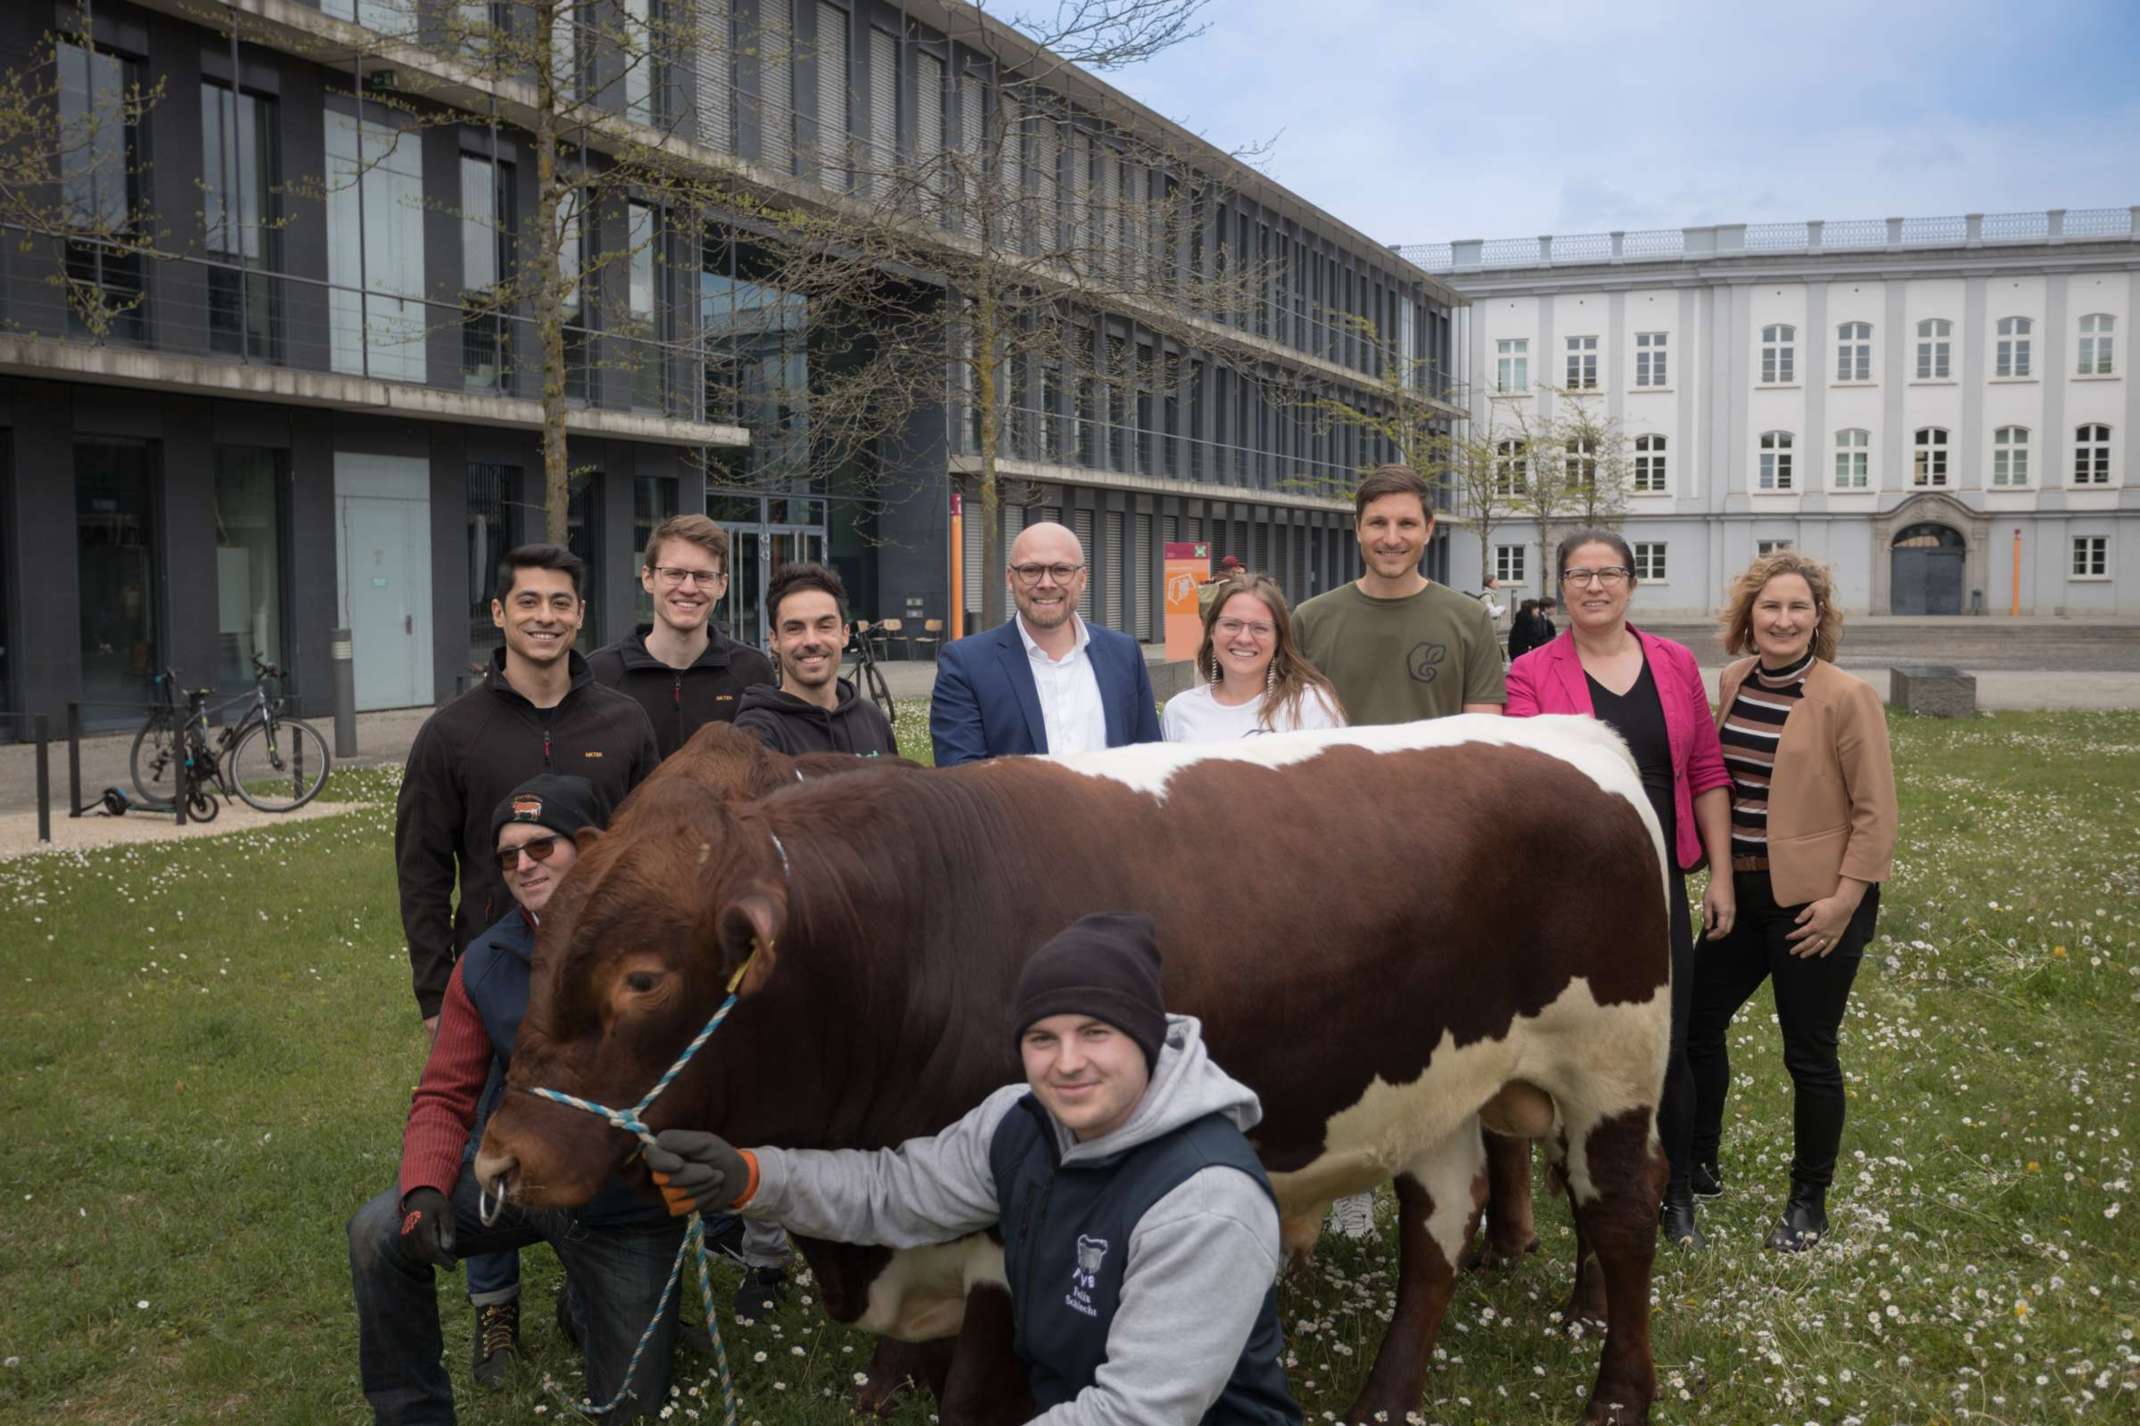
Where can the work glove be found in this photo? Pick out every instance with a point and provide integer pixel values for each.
(696, 1172)
(427, 1227)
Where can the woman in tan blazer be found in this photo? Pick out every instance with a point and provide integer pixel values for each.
(1813, 821)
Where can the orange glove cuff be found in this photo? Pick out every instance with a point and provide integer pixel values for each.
(750, 1186)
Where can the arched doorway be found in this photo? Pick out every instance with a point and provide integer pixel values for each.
(1925, 569)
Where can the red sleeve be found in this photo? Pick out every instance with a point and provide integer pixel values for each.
(444, 1107)
(1705, 761)
(1522, 693)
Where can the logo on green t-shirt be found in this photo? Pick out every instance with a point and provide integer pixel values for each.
(1425, 660)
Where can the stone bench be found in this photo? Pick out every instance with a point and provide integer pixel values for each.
(1932, 690)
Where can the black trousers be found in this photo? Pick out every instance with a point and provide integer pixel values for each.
(1811, 993)
(1675, 1110)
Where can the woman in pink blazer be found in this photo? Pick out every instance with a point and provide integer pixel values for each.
(1650, 690)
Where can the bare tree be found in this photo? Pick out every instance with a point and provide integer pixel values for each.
(1486, 469)
(986, 258)
(1574, 466)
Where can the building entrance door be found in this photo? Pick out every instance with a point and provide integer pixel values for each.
(382, 538)
(760, 552)
(1926, 570)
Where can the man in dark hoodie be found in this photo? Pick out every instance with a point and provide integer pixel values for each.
(1140, 1234)
(681, 668)
(538, 710)
(814, 710)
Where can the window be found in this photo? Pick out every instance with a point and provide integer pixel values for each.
(2091, 455)
(1649, 560)
(117, 569)
(248, 560)
(100, 167)
(1508, 563)
(1512, 468)
(1769, 547)
(2091, 556)
(1583, 464)
(1854, 351)
(1649, 465)
(2013, 350)
(1582, 363)
(486, 265)
(375, 248)
(488, 535)
(2010, 456)
(653, 501)
(1779, 346)
(1512, 364)
(1853, 456)
(642, 231)
(833, 97)
(1775, 460)
(641, 58)
(1932, 349)
(239, 179)
(2095, 343)
(1650, 369)
(1930, 467)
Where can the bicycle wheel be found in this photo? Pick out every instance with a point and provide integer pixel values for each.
(153, 761)
(279, 766)
(879, 692)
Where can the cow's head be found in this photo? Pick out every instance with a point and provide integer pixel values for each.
(637, 950)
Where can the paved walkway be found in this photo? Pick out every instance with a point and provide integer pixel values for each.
(2074, 666)
(18, 830)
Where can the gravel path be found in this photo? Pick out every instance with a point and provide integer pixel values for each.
(18, 830)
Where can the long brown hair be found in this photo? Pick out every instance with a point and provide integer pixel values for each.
(1291, 675)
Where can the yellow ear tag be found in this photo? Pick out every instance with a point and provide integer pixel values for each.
(744, 969)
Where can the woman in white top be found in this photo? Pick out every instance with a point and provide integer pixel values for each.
(1259, 683)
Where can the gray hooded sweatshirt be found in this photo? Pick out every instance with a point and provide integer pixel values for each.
(1200, 1261)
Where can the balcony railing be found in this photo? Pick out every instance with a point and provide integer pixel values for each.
(1969, 230)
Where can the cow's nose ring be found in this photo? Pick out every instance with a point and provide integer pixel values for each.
(487, 1211)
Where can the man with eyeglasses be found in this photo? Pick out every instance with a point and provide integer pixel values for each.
(1046, 682)
(616, 1250)
(539, 709)
(681, 668)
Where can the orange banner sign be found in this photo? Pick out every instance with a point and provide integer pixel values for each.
(1187, 566)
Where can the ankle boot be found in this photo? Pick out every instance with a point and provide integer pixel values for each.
(1708, 1179)
(1804, 1221)
(1675, 1222)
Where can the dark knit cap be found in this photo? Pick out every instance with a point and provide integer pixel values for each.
(1105, 965)
(563, 804)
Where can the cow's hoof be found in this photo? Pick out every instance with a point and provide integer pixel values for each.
(1369, 1412)
(1587, 1318)
(1486, 1255)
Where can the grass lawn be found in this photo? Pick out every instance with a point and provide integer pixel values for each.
(206, 1051)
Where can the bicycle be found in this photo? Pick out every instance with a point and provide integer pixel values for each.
(268, 759)
(866, 674)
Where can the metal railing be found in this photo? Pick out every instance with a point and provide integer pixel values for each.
(2054, 225)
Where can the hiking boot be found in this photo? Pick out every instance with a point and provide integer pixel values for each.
(1804, 1221)
(497, 1343)
(760, 1294)
(1708, 1179)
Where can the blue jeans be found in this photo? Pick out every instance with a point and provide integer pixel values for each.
(620, 1271)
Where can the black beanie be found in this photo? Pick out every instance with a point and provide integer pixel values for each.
(1105, 965)
(563, 804)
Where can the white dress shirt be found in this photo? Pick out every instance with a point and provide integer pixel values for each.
(1071, 713)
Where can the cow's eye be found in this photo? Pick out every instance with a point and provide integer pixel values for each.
(642, 981)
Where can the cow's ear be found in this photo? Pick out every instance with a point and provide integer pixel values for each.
(586, 837)
(747, 930)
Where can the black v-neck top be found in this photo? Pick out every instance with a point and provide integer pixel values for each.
(1638, 716)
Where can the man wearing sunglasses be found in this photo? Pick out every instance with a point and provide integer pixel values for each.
(616, 1250)
(1046, 682)
(681, 668)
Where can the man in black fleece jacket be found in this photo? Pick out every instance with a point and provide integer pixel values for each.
(538, 710)
(682, 669)
(814, 710)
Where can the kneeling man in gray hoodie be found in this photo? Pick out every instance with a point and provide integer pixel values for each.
(1140, 1234)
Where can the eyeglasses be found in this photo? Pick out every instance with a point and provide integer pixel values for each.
(1612, 576)
(674, 575)
(1034, 573)
(539, 849)
(1235, 628)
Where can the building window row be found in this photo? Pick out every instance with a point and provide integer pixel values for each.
(1930, 447)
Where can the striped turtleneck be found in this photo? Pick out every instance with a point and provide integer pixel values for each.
(1751, 732)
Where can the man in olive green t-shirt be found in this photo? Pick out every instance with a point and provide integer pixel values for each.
(1396, 645)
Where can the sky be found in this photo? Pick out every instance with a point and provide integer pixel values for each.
(1423, 120)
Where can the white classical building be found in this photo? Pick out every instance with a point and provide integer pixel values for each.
(1943, 408)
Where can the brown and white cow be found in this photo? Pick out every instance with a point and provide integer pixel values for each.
(1353, 914)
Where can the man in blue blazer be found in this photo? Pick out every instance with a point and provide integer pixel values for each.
(1045, 682)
